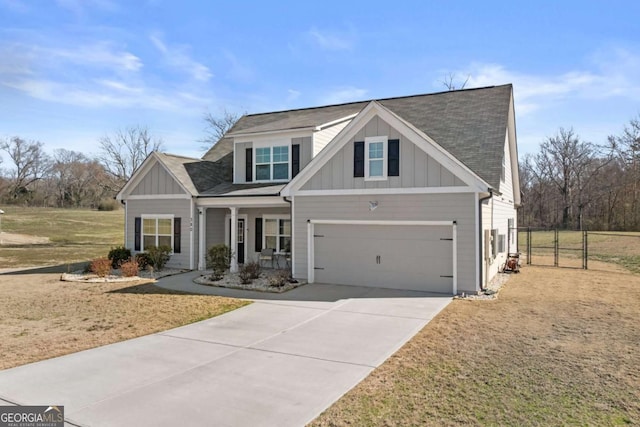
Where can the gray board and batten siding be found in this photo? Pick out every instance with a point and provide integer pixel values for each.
(157, 182)
(417, 168)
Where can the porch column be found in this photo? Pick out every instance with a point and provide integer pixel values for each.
(234, 239)
(202, 238)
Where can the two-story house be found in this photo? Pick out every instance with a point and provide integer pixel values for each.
(417, 192)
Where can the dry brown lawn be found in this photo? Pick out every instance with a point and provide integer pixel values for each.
(42, 317)
(558, 347)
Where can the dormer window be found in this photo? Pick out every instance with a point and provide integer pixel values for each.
(272, 163)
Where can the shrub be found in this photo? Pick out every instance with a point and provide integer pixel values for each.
(280, 278)
(144, 260)
(108, 205)
(129, 268)
(118, 255)
(158, 256)
(219, 257)
(248, 272)
(101, 267)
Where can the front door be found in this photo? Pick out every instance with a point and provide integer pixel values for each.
(240, 248)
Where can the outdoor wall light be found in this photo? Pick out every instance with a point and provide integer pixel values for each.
(373, 205)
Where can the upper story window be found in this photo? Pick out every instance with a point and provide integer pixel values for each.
(375, 163)
(272, 163)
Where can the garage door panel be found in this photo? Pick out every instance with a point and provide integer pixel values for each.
(401, 257)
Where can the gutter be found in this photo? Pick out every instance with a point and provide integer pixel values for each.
(481, 236)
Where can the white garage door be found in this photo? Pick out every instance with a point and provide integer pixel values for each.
(385, 256)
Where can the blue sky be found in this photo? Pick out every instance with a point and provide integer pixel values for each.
(72, 71)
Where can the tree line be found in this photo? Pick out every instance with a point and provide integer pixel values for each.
(574, 184)
(70, 179)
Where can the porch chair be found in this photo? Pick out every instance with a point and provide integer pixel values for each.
(267, 254)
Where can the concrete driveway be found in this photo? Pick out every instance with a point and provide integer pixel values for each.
(278, 362)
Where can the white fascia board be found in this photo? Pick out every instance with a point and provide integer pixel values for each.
(159, 197)
(330, 150)
(241, 202)
(379, 222)
(137, 176)
(419, 138)
(275, 134)
(142, 171)
(335, 122)
(374, 191)
(513, 153)
(433, 149)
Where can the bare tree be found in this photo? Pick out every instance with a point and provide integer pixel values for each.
(218, 126)
(124, 151)
(450, 84)
(30, 164)
(76, 179)
(627, 148)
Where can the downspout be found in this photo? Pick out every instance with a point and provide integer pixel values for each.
(292, 225)
(481, 237)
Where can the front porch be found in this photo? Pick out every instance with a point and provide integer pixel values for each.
(260, 222)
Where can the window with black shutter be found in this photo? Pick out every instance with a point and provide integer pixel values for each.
(258, 234)
(358, 159)
(393, 162)
(295, 159)
(248, 164)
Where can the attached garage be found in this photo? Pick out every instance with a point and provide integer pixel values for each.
(411, 255)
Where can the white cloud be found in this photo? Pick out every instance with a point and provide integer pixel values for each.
(332, 40)
(614, 74)
(177, 57)
(344, 94)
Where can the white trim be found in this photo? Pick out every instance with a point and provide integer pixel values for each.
(476, 220)
(242, 202)
(126, 223)
(271, 144)
(310, 249)
(202, 242)
(293, 235)
(385, 157)
(277, 217)
(310, 240)
(157, 217)
(414, 135)
(191, 235)
(227, 232)
(335, 122)
(159, 197)
(142, 171)
(454, 260)
(408, 190)
(378, 222)
(242, 137)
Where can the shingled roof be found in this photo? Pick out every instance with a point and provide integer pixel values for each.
(471, 124)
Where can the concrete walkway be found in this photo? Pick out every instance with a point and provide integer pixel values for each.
(278, 362)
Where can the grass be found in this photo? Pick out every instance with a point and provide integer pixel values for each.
(75, 235)
(558, 347)
(42, 317)
(620, 248)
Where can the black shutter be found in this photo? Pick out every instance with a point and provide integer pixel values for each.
(177, 232)
(258, 234)
(136, 233)
(358, 159)
(393, 162)
(248, 164)
(295, 159)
